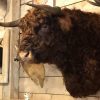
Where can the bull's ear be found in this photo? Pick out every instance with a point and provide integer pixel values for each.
(65, 23)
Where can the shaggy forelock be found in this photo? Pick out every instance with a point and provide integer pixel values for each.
(38, 32)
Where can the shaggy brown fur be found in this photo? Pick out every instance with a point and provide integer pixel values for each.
(70, 40)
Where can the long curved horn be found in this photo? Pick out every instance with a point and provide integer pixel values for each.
(53, 10)
(10, 24)
(96, 3)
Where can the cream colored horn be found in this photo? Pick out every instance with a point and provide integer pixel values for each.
(53, 10)
(10, 24)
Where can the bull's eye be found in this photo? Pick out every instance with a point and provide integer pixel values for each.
(35, 46)
(44, 30)
(36, 29)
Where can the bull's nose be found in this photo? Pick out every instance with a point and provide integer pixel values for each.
(25, 56)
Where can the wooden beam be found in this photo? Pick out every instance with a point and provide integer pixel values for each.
(10, 90)
(54, 2)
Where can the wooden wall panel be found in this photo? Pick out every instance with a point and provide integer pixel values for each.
(0, 91)
(52, 85)
(10, 90)
(35, 96)
(85, 6)
(62, 97)
(92, 98)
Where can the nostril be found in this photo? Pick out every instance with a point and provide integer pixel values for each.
(16, 59)
(27, 54)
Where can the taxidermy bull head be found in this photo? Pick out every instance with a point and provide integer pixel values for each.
(67, 38)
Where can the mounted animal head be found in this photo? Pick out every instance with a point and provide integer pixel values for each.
(40, 29)
(67, 38)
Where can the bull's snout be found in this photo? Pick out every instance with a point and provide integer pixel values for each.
(24, 56)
